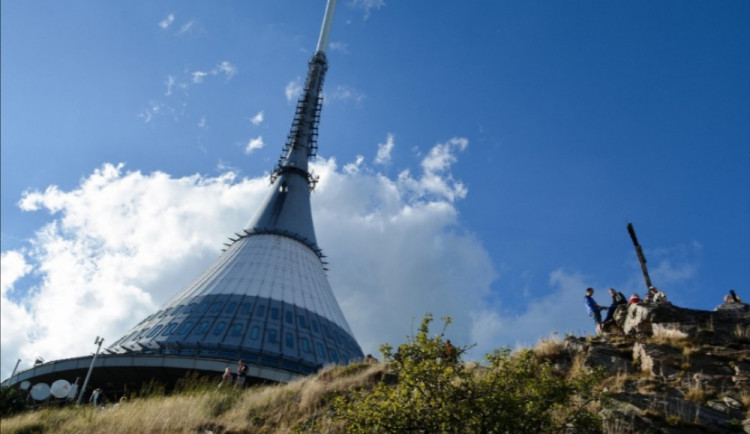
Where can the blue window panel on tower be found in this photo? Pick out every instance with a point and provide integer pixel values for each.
(289, 340)
(246, 309)
(219, 328)
(154, 331)
(231, 307)
(237, 330)
(169, 329)
(184, 327)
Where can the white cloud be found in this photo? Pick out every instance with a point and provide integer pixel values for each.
(293, 89)
(346, 93)
(186, 28)
(384, 151)
(258, 118)
(253, 144)
(225, 68)
(198, 76)
(166, 22)
(13, 266)
(170, 83)
(368, 6)
(339, 46)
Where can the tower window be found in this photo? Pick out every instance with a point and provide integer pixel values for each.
(216, 307)
(246, 308)
(271, 336)
(254, 332)
(190, 308)
(290, 340)
(219, 329)
(178, 309)
(289, 317)
(232, 306)
(237, 330)
(170, 328)
(185, 327)
(154, 331)
(274, 313)
(302, 321)
(315, 326)
(202, 308)
(201, 327)
(305, 344)
(321, 351)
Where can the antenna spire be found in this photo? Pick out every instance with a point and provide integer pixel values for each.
(325, 30)
(286, 209)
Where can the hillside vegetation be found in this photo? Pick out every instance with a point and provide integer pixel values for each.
(571, 385)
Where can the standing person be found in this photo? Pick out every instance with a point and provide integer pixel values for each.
(618, 298)
(97, 397)
(226, 378)
(242, 370)
(593, 309)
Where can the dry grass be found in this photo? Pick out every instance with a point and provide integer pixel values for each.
(741, 333)
(269, 409)
(670, 337)
(551, 348)
(617, 383)
(696, 393)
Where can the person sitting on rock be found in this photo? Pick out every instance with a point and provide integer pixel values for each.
(734, 297)
(594, 309)
(618, 298)
(655, 296)
(634, 298)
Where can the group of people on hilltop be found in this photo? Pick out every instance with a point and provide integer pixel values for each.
(618, 299)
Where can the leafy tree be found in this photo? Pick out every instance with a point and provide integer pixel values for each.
(11, 402)
(429, 389)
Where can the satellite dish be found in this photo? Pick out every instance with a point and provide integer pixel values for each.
(60, 389)
(25, 385)
(40, 391)
(73, 391)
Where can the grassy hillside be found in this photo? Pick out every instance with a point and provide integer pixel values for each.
(667, 383)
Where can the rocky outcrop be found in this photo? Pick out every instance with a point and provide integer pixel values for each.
(672, 370)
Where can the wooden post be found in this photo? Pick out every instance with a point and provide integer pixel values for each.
(639, 252)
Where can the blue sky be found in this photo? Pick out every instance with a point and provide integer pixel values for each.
(480, 162)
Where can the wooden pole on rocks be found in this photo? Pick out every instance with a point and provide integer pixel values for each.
(641, 258)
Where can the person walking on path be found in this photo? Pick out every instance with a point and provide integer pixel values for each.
(594, 309)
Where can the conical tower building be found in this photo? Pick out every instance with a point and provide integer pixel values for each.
(265, 300)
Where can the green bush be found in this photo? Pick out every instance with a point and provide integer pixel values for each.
(11, 402)
(435, 392)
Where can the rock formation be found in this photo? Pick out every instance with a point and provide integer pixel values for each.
(671, 370)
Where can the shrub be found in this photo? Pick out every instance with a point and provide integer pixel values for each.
(435, 392)
(11, 402)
